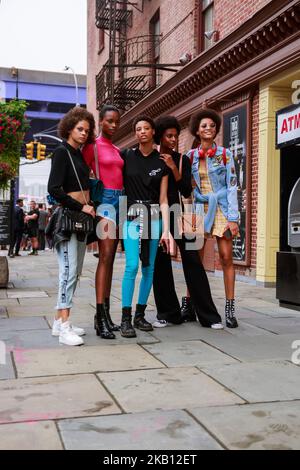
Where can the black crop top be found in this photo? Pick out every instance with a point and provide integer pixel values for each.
(62, 179)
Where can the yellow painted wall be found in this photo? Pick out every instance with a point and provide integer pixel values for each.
(272, 98)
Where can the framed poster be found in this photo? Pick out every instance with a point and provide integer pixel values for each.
(5, 220)
(236, 137)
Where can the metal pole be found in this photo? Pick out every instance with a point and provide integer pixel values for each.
(76, 84)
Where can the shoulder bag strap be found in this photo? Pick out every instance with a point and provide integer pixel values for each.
(96, 161)
(72, 163)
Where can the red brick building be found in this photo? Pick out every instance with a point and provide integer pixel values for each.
(244, 62)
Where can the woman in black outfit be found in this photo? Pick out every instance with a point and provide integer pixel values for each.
(167, 304)
(77, 128)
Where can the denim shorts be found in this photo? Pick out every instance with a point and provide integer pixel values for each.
(110, 207)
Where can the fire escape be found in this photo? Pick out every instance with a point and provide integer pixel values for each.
(126, 78)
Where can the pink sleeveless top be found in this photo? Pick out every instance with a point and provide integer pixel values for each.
(110, 162)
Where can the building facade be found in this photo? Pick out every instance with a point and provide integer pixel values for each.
(49, 96)
(245, 64)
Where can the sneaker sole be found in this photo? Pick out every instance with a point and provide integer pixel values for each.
(68, 344)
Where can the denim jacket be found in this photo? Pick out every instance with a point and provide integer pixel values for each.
(223, 181)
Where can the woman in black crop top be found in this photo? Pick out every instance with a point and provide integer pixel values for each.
(77, 128)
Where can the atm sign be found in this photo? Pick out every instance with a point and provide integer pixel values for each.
(288, 126)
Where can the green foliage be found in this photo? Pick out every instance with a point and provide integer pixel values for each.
(13, 125)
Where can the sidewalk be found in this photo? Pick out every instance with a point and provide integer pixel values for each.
(180, 387)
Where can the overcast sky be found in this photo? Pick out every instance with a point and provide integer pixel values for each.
(43, 34)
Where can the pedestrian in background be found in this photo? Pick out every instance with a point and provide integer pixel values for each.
(18, 229)
(43, 219)
(32, 222)
(77, 128)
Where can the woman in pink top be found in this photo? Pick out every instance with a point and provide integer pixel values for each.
(110, 170)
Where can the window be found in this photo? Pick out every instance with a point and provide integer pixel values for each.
(101, 40)
(206, 23)
(155, 48)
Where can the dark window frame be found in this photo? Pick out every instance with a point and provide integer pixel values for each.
(200, 24)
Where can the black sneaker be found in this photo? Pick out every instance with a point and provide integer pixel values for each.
(187, 310)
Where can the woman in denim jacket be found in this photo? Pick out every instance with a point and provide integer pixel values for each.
(215, 193)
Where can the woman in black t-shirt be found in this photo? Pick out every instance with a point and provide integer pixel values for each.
(168, 308)
(146, 186)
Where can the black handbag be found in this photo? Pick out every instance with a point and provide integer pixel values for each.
(76, 221)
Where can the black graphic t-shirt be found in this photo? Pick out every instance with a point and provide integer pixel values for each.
(143, 175)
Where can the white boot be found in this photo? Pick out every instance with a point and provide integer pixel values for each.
(56, 327)
(68, 336)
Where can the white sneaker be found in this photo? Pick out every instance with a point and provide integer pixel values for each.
(160, 324)
(68, 337)
(56, 327)
(217, 326)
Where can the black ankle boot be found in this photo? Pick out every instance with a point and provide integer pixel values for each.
(139, 319)
(110, 323)
(100, 323)
(127, 329)
(231, 321)
(187, 310)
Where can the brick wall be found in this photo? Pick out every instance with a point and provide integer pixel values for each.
(230, 14)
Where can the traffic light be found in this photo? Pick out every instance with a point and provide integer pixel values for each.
(30, 151)
(41, 151)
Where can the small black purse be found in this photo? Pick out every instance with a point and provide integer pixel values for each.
(76, 221)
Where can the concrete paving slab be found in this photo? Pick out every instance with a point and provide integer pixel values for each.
(22, 324)
(267, 426)
(255, 348)
(154, 430)
(20, 341)
(275, 311)
(277, 325)
(22, 311)
(176, 388)
(187, 332)
(259, 381)
(30, 436)
(6, 303)
(7, 370)
(91, 339)
(23, 294)
(52, 398)
(82, 360)
(188, 353)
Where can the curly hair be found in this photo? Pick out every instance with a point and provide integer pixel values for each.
(162, 124)
(143, 117)
(203, 114)
(72, 118)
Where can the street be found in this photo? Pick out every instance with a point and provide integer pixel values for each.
(179, 387)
